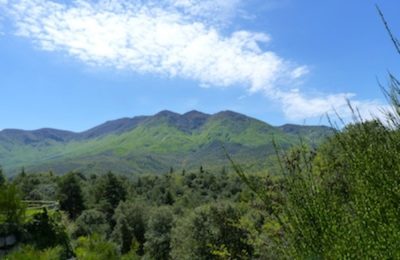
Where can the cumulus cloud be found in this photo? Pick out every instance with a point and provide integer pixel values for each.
(176, 38)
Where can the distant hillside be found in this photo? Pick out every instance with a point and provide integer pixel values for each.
(153, 144)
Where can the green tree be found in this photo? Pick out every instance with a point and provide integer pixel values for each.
(158, 234)
(70, 195)
(12, 209)
(91, 222)
(109, 192)
(130, 226)
(47, 231)
(211, 232)
(167, 198)
(37, 186)
(2, 177)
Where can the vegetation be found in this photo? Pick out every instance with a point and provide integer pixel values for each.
(96, 247)
(70, 196)
(12, 209)
(203, 214)
(341, 202)
(29, 252)
(337, 200)
(212, 232)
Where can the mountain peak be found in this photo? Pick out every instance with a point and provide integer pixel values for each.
(166, 113)
(229, 113)
(187, 122)
(195, 113)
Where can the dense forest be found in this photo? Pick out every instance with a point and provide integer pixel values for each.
(182, 215)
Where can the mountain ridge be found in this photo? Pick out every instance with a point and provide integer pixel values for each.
(151, 144)
(143, 117)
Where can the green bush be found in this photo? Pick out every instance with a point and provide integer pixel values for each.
(28, 252)
(12, 209)
(90, 222)
(211, 232)
(46, 231)
(342, 202)
(95, 247)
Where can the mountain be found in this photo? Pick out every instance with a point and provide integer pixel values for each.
(153, 144)
(310, 132)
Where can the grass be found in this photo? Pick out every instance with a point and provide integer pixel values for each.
(31, 211)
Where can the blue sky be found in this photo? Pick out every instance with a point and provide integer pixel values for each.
(74, 64)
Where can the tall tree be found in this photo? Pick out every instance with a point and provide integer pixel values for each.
(70, 195)
(130, 226)
(2, 177)
(211, 232)
(109, 192)
(158, 235)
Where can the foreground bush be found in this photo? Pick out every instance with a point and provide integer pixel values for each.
(343, 200)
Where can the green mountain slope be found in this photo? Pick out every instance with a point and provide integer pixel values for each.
(152, 144)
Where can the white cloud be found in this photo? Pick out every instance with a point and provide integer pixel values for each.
(311, 107)
(177, 38)
(296, 106)
(152, 38)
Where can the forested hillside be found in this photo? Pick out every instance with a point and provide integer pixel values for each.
(153, 144)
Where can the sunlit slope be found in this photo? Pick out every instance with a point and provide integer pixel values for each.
(150, 144)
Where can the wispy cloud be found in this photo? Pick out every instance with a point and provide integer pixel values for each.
(212, 11)
(177, 38)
